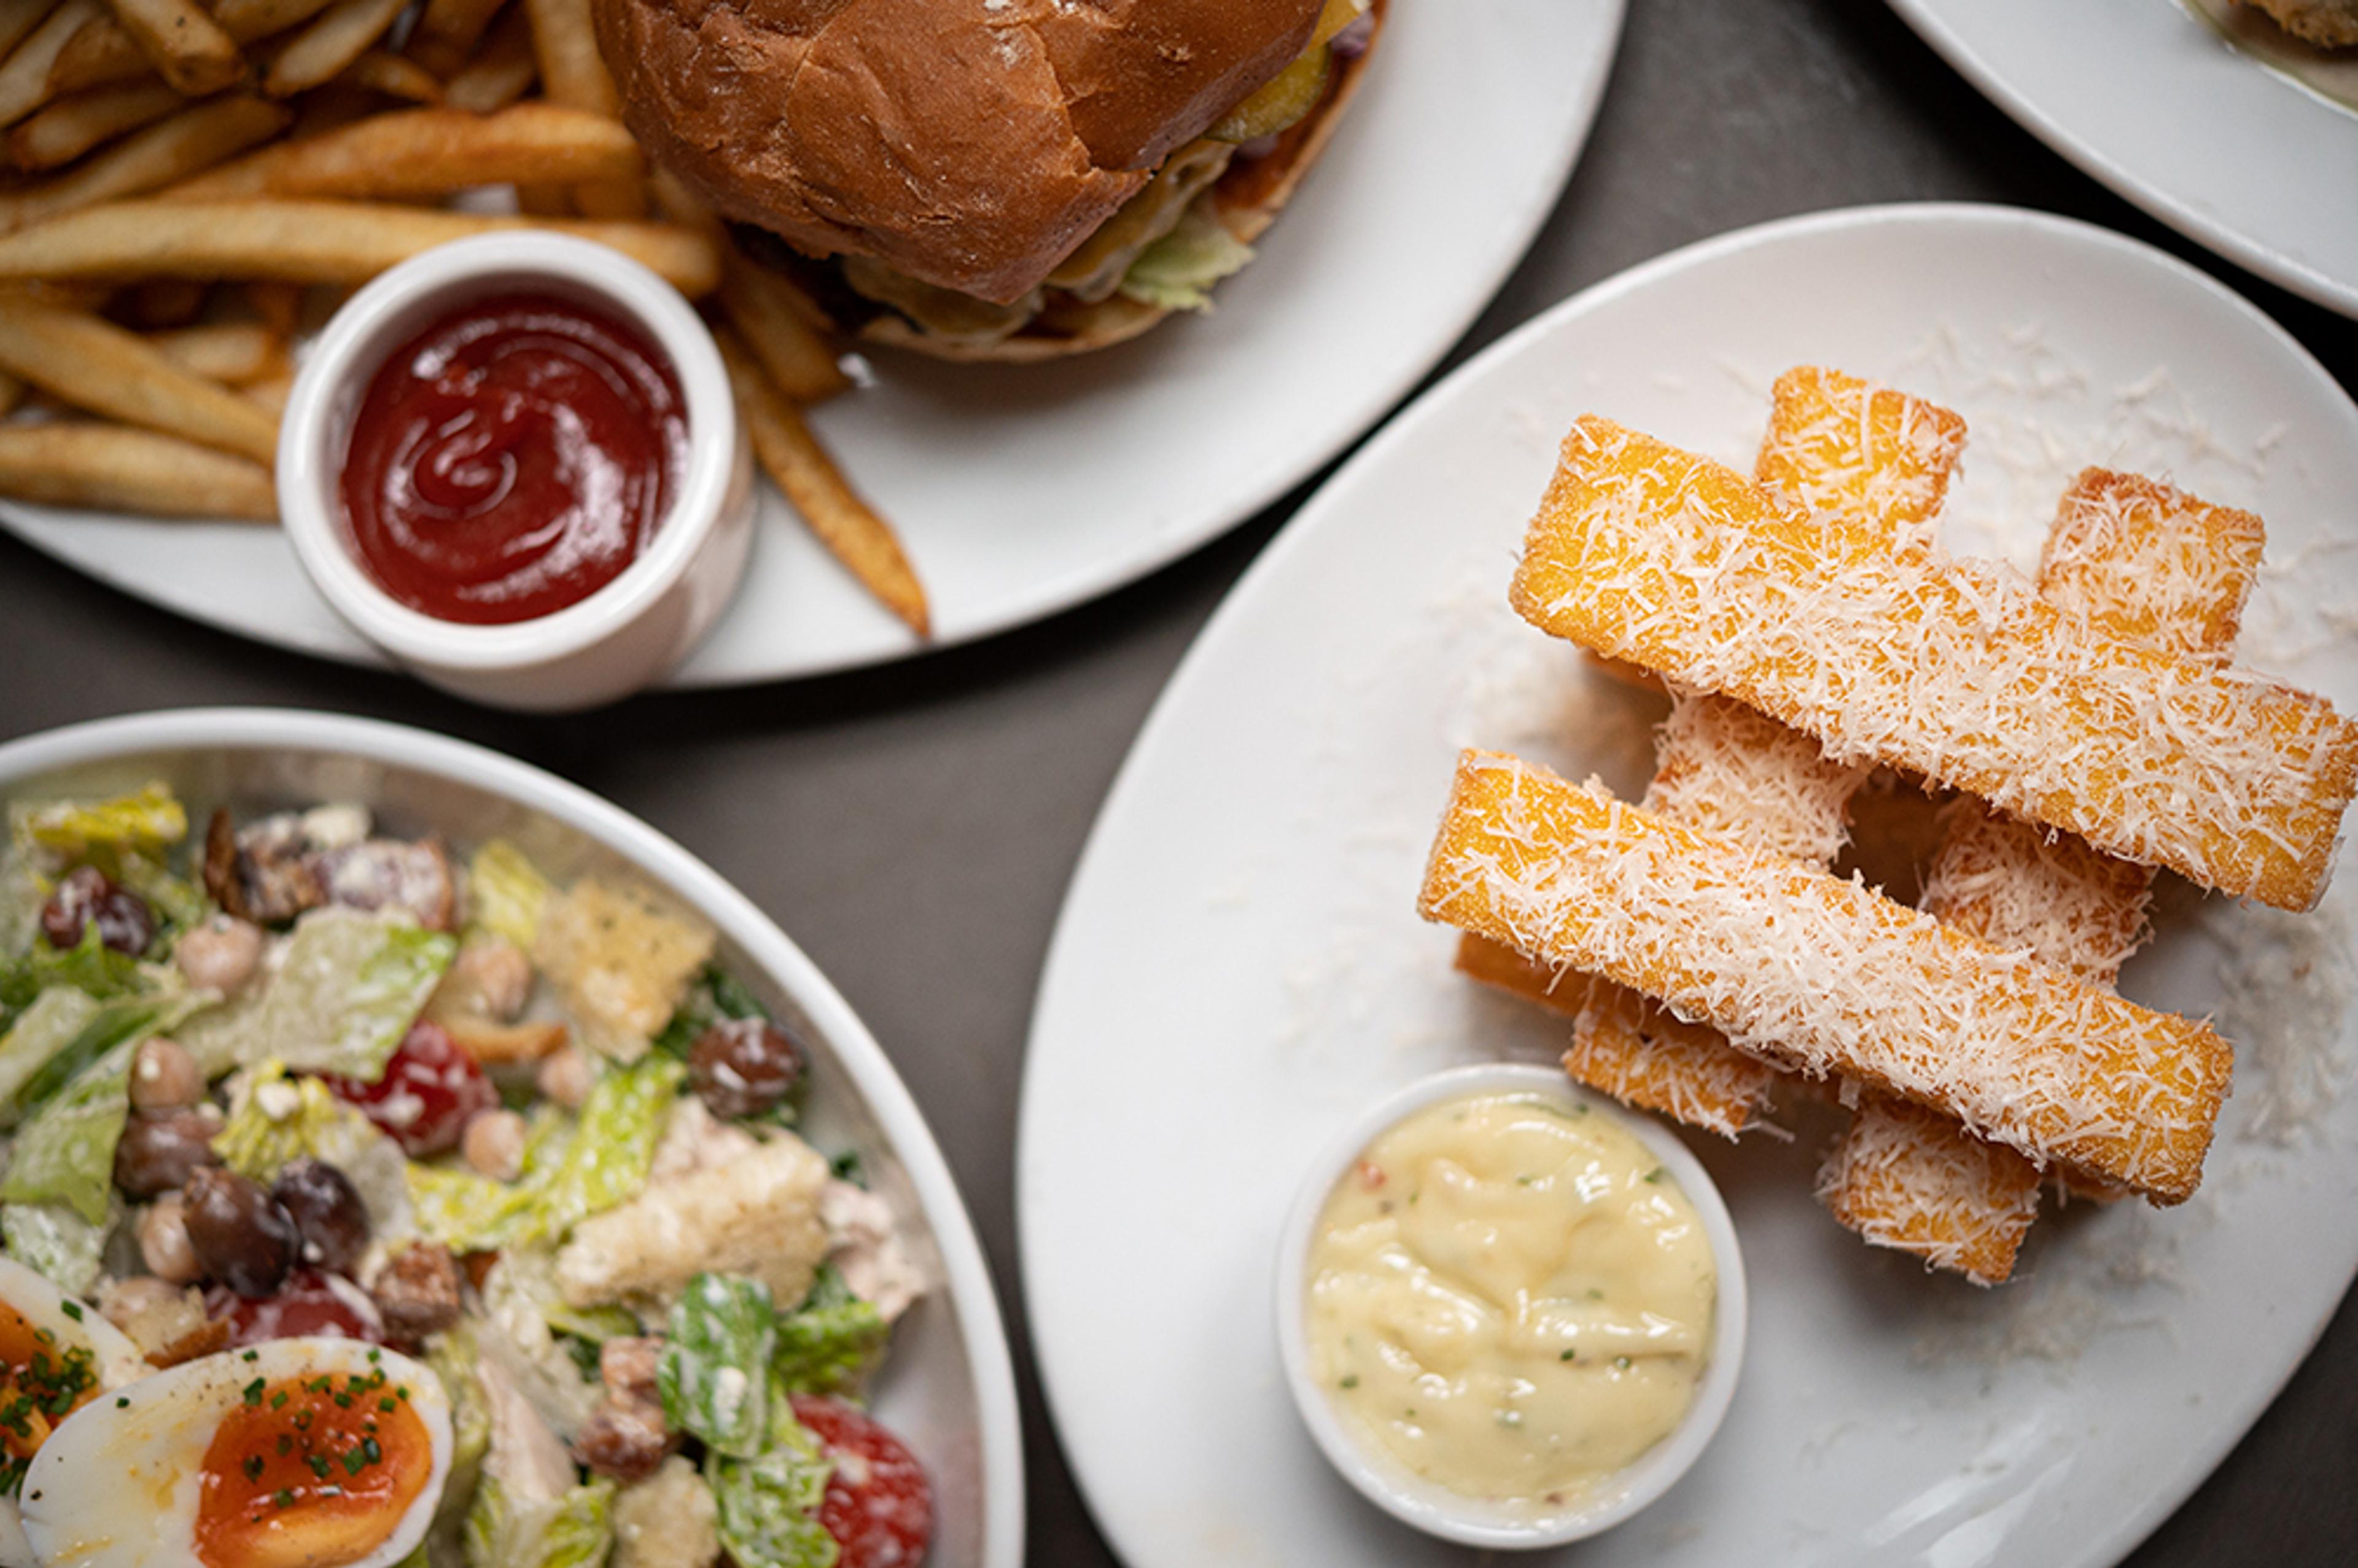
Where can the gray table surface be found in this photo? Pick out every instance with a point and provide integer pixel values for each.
(913, 827)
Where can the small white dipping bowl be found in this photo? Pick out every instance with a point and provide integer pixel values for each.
(627, 634)
(1435, 1510)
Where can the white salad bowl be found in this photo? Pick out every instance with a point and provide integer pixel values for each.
(1435, 1510)
(627, 634)
(948, 1388)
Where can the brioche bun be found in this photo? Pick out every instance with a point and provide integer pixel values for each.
(969, 144)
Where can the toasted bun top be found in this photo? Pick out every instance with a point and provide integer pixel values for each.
(971, 144)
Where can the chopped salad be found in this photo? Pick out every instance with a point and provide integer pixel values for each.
(387, 1207)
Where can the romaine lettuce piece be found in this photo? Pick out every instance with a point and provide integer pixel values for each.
(89, 966)
(506, 893)
(65, 1152)
(572, 1169)
(56, 1242)
(347, 987)
(1177, 271)
(179, 901)
(147, 822)
(507, 1529)
(827, 1344)
(517, 1337)
(56, 1016)
(769, 1504)
(714, 1375)
(109, 1024)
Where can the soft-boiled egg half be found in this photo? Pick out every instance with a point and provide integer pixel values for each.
(56, 1355)
(319, 1452)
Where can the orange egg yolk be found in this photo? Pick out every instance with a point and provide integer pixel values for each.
(311, 1472)
(41, 1383)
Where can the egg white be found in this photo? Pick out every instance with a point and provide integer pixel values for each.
(116, 1484)
(117, 1360)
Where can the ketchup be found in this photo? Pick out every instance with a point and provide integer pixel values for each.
(512, 458)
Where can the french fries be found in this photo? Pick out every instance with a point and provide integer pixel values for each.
(846, 525)
(28, 76)
(102, 51)
(428, 152)
(189, 49)
(303, 242)
(762, 306)
(205, 220)
(88, 363)
(332, 41)
(195, 138)
(120, 468)
(70, 127)
(236, 353)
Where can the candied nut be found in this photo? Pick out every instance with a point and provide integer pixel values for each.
(494, 1145)
(164, 1243)
(416, 1292)
(491, 977)
(566, 1077)
(222, 955)
(262, 874)
(625, 1439)
(393, 873)
(164, 1077)
(627, 1365)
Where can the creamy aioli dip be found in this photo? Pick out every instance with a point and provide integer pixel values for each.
(1510, 1297)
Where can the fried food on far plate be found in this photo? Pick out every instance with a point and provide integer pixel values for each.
(87, 362)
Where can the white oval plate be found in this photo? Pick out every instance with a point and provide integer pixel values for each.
(1021, 491)
(948, 1388)
(2152, 99)
(1240, 971)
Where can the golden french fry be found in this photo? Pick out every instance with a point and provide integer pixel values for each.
(447, 32)
(756, 298)
(332, 41)
(304, 242)
(114, 467)
(187, 47)
(428, 152)
(70, 127)
(574, 74)
(847, 526)
(195, 138)
(502, 71)
(26, 76)
(236, 353)
(277, 305)
(19, 18)
(394, 76)
(102, 51)
(12, 393)
(89, 363)
(271, 395)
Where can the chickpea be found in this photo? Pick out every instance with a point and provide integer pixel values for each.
(164, 1244)
(164, 1077)
(565, 1076)
(494, 1145)
(494, 973)
(221, 954)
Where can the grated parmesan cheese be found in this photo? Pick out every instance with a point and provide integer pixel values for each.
(1951, 669)
(1824, 977)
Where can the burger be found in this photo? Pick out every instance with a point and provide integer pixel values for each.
(991, 179)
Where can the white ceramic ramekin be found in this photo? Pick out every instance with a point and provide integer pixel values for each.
(1435, 1510)
(630, 633)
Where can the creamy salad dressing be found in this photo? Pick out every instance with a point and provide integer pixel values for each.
(1510, 1297)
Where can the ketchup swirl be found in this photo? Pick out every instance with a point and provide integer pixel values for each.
(512, 458)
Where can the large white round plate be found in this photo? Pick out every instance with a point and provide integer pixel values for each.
(2155, 100)
(1239, 969)
(1021, 491)
(948, 1388)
